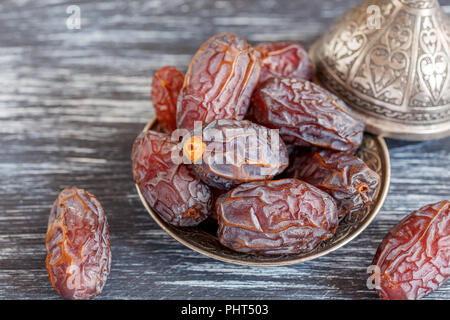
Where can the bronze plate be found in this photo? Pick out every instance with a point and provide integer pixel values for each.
(202, 238)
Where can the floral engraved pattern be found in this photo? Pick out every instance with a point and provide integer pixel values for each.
(384, 71)
(399, 72)
(444, 22)
(344, 45)
(431, 87)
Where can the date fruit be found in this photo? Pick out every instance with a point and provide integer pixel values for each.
(413, 259)
(232, 152)
(171, 189)
(78, 245)
(345, 177)
(307, 115)
(219, 82)
(284, 59)
(275, 217)
(166, 86)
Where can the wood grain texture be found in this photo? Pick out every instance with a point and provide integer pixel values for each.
(71, 104)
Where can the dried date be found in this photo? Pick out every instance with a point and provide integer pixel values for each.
(232, 152)
(219, 82)
(345, 177)
(284, 59)
(216, 194)
(171, 189)
(78, 245)
(413, 258)
(307, 115)
(166, 85)
(275, 217)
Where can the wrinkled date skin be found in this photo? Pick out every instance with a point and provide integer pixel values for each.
(413, 259)
(166, 86)
(216, 194)
(275, 217)
(219, 82)
(345, 177)
(172, 190)
(307, 115)
(238, 151)
(78, 245)
(284, 59)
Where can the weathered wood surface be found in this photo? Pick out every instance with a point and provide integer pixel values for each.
(71, 104)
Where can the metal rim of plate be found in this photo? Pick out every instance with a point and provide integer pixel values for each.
(199, 240)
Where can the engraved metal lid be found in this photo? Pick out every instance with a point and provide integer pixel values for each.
(389, 61)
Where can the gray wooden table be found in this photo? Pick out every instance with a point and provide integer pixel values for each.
(71, 104)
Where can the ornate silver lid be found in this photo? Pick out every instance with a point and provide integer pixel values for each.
(389, 60)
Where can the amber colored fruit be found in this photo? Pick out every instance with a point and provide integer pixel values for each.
(78, 245)
(307, 115)
(413, 258)
(345, 177)
(284, 59)
(219, 82)
(166, 86)
(275, 217)
(232, 152)
(172, 190)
